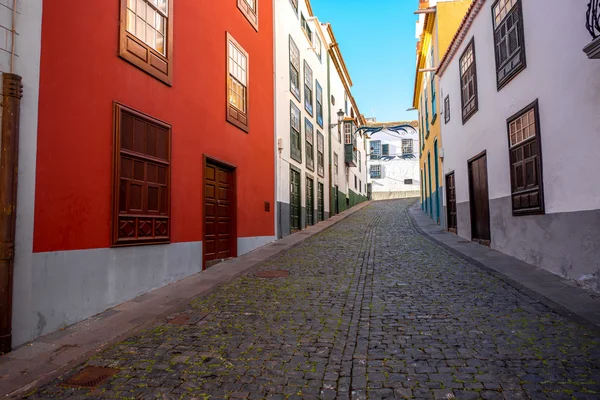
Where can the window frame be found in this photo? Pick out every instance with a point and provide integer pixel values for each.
(517, 8)
(372, 169)
(412, 146)
(296, 145)
(309, 144)
(308, 91)
(466, 117)
(235, 116)
(376, 152)
(143, 56)
(385, 146)
(305, 28)
(294, 4)
(319, 103)
(294, 68)
(540, 209)
(408, 181)
(251, 15)
(447, 109)
(320, 154)
(336, 167)
(117, 153)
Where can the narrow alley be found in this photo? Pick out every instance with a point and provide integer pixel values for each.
(370, 309)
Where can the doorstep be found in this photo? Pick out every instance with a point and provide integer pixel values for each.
(49, 356)
(559, 294)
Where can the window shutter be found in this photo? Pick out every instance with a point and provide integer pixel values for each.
(142, 179)
(143, 56)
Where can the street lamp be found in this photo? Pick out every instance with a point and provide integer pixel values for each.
(340, 115)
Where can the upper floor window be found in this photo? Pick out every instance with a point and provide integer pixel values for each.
(294, 69)
(306, 28)
(146, 36)
(250, 10)
(468, 82)
(426, 105)
(447, 109)
(142, 193)
(308, 89)
(375, 149)
(295, 136)
(237, 84)
(347, 133)
(346, 103)
(318, 47)
(335, 165)
(509, 41)
(375, 171)
(320, 154)
(433, 92)
(295, 5)
(407, 146)
(385, 149)
(309, 136)
(526, 161)
(359, 163)
(319, 104)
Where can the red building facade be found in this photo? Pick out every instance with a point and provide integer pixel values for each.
(156, 128)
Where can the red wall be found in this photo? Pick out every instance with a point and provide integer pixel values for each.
(81, 76)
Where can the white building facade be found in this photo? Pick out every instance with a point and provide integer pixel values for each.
(393, 162)
(516, 92)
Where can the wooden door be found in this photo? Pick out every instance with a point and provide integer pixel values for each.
(451, 202)
(310, 202)
(294, 200)
(320, 202)
(479, 199)
(219, 208)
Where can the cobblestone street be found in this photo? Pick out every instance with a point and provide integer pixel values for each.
(370, 309)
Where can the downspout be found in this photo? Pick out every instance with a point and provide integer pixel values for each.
(331, 199)
(11, 101)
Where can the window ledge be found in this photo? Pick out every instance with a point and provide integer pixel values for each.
(593, 49)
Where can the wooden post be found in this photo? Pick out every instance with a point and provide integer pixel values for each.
(12, 93)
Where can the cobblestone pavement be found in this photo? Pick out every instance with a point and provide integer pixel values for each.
(370, 310)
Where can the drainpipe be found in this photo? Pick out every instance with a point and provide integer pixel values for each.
(12, 93)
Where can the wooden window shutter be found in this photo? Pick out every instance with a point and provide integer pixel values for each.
(250, 10)
(142, 55)
(142, 175)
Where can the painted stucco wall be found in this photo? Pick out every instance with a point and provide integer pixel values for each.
(287, 23)
(565, 83)
(395, 171)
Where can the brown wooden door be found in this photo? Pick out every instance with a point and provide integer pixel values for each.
(218, 213)
(479, 199)
(451, 202)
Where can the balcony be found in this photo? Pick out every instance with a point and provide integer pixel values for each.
(592, 23)
(351, 154)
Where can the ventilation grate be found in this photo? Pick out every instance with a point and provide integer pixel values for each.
(272, 274)
(90, 377)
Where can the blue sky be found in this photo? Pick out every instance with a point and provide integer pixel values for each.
(377, 40)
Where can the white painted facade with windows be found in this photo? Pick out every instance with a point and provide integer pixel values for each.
(562, 236)
(299, 44)
(393, 164)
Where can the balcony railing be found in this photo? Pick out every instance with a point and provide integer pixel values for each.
(592, 22)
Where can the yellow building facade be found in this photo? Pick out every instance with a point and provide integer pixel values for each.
(438, 22)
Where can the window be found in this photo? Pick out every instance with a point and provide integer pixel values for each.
(295, 149)
(526, 161)
(355, 182)
(407, 146)
(142, 175)
(447, 109)
(385, 149)
(308, 89)
(332, 100)
(306, 28)
(375, 149)
(346, 103)
(375, 171)
(237, 84)
(318, 48)
(468, 82)
(408, 181)
(335, 167)
(294, 69)
(509, 43)
(433, 94)
(347, 132)
(359, 186)
(295, 5)
(320, 154)
(250, 10)
(319, 105)
(146, 37)
(309, 135)
(426, 115)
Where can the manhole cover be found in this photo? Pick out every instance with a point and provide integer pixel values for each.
(90, 377)
(272, 274)
(180, 320)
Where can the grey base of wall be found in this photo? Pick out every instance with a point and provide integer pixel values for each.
(283, 224)
(565, 244)
(395, 195)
